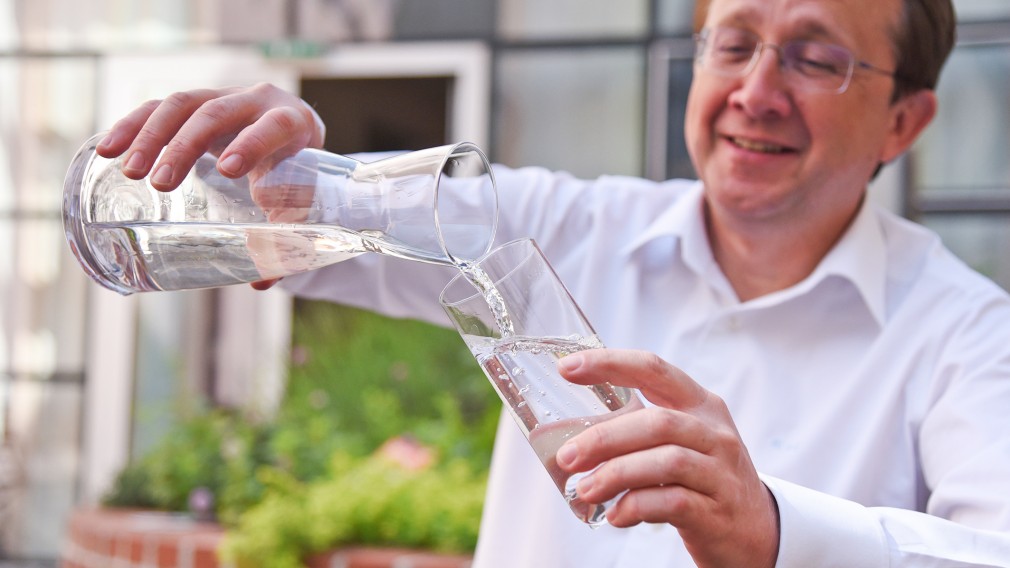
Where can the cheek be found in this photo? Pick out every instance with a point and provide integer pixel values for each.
(698, 122)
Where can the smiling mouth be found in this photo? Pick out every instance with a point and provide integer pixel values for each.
(755, 146)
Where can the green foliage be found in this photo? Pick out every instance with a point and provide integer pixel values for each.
(308, 480)
(218, 450)
(369, 501)
(370, 378)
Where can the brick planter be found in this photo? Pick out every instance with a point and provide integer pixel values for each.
(103, 538)
(98, 538)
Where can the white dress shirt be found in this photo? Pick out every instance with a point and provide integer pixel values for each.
(873, 396)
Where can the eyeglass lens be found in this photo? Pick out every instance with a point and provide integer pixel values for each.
(812, 65)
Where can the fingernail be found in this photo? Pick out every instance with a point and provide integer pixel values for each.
(232, 164)
(567, 454)
(163, 176)
(570, 363)
(109, 139)
(136, 162)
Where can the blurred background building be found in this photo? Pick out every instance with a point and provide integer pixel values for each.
(90, 379)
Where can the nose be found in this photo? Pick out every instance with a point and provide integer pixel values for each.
(764, 91)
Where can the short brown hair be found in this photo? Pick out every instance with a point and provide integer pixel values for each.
(922, 42)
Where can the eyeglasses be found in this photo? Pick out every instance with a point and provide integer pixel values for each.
(808, 65)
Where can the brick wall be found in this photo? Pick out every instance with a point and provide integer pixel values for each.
(112, 538)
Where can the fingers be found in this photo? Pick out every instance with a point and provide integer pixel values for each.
(654, 504)
(287, 127)
(645, 448)
(255, 123)
(164, 126)
(122, 134)
(662, 466)
(659, 381)
(638, 431)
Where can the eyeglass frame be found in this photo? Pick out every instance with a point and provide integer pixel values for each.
(785, 60)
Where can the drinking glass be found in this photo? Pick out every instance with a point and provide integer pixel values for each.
(291, 214)
(518, 320)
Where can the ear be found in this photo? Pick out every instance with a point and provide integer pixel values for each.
(909, 116)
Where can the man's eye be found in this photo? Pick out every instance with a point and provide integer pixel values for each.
(817, 67)
(734, 51)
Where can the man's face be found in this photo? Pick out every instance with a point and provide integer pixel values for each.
(767, 150)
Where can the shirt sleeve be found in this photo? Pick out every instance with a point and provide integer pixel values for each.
(817, 529)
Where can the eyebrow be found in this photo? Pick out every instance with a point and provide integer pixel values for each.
(811, 28)
(804, 27)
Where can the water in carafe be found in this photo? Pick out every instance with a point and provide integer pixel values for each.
(303, 212)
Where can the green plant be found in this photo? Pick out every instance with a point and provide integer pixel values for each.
(369, 501)
(308, 479)
(218, 450)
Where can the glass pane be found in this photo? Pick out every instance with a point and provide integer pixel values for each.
(531, 19)
(966, 146)
(9, 36)
(676, 17)
(670, 79)
(97, 24)
(171, 360)
(46, 111)
(39, 458)
(979, 240)
(981, 10)
(44, 328)
(555, 111)
(443, 19)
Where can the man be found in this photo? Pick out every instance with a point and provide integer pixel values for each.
(838, 350)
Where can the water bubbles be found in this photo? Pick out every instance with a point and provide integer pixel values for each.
(524, 389)
(521, 404)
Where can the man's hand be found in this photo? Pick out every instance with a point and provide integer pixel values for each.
(682, 462)
(243, 126)
(249, 129)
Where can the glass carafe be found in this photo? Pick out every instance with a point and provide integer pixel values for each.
(299, 213)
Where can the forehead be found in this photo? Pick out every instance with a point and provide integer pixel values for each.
(851, 22)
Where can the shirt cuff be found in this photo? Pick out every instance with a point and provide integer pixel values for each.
(817, 529)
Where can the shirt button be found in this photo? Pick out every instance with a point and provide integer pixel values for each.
(733, 323)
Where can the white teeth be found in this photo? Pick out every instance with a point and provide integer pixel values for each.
(755, 146)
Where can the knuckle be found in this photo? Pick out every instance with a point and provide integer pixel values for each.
(596, 437)
(182, 100)
(675, 501)
(264, 88)
(218, 109)
(670, 460)
(659, 419)
(287, 119)
(150, 106)
(654, 363)
(178, 146)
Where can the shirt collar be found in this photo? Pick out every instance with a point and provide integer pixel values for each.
(860, 256)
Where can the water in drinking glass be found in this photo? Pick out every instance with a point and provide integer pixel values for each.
(518, 320)
(549, 409)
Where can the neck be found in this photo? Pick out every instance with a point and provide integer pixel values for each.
(762, 257)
